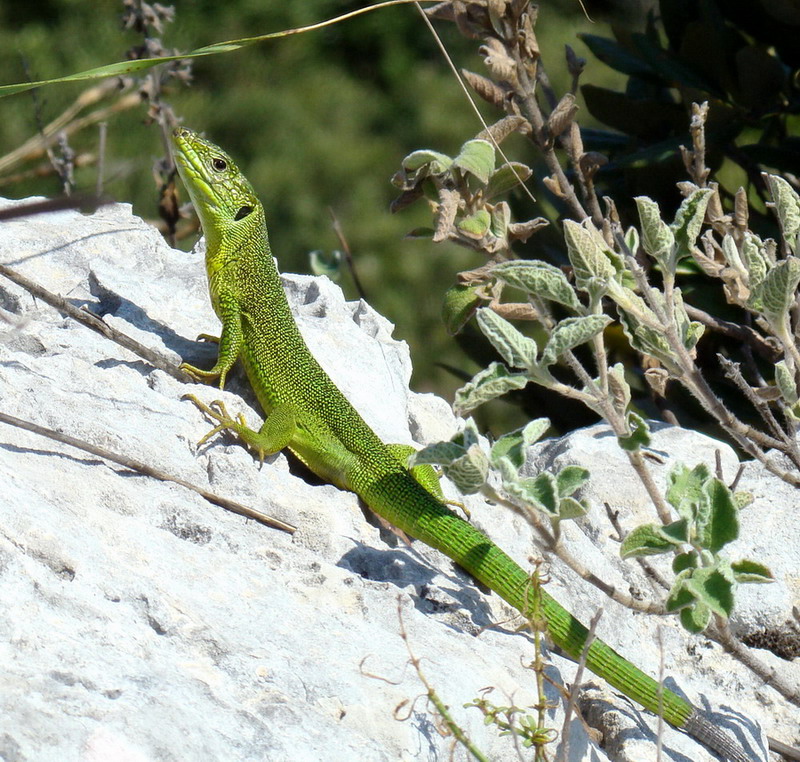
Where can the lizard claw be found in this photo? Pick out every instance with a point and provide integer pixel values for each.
(217, 412)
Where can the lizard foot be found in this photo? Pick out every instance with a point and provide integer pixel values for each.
(217, 411)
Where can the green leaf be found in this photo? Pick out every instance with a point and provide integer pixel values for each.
(514, 444)
(477, 158)
(492, 382)
(787, 207)
(517, 350)
(676, 532)
(570, 508)
(755, 261)
(612, 54)
(572, 332)
(632, 310)
(718, 521)
(469, 472)
(476, 225)
(437, 163)
(713, 586)
(501, 217)
(569, 479)
(459, 305)
(657, 237)
(688, 220)
(540, 279)
(632, 240)
(689, 331)
(684, 561)
(539, 491)
(680, 595)
(588, 254)
(695, 617)
(685, 490)
(504, 179)
(784, 380)
(647, 540)
(775, 294)
(750, 571)
(639, 436)
(468, 436)
(440, 453)
(731, 253)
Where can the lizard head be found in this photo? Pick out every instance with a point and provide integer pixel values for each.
(221, 194)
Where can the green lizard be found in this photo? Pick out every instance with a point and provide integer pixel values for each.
(306, 413)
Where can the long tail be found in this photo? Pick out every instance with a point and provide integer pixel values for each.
(401, 501)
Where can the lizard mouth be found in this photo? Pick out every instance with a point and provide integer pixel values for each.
(191, 169)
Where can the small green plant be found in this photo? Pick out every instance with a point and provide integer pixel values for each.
(705, 581)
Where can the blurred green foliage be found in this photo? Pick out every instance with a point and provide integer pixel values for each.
(318, 122)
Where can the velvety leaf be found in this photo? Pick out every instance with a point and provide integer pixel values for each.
(440, 453)
(751, 571)
(514, 444)
(517, 350)
(476, 225)
(755, 260)
(688, 221)
(505, 178)
(572, 332)
(684, 561)
(477, 158)
(685, 488)
(539, 491)
(492, 382)
(437, 162)
(646, 540)
(538, 278)
(680, 595)
(776, 293)
(570, 508)
(619, 388)
(695, 617)
(784, 379)
(787, 207)
(657, 236)
(571, 478)
(469, 472)
(459, 305)
(719, 524)
(639, 436)
(713, 587)
(587, 254)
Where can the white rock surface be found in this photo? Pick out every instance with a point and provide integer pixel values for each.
(139, 622)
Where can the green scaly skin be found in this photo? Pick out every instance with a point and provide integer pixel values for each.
(307, 414)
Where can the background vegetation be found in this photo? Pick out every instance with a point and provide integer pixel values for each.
(318, 121)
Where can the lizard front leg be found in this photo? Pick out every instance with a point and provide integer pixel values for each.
(230, 344)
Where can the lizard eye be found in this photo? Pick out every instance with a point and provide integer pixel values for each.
(219, 164)
(243, 212)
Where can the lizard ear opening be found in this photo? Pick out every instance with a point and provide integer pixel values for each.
(243, 212)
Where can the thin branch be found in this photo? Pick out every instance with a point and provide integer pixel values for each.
(156, 359)
(146, 470)
(573, 694)
(559, 550)
(720, 632)
(742, 333)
